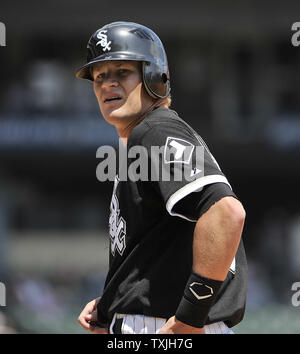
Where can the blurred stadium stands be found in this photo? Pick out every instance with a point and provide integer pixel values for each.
(235, 78)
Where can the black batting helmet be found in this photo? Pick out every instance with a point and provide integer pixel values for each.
(130, 41)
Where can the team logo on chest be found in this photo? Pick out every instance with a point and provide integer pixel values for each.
(117, 225)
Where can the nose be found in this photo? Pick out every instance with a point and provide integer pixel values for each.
(110, 81)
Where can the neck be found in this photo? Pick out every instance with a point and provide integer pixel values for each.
(124, 132)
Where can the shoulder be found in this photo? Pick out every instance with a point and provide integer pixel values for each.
(157, 125)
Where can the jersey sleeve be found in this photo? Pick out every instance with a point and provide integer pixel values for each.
(182, 166)
(197, 203)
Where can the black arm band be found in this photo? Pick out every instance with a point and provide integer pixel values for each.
(199, 295)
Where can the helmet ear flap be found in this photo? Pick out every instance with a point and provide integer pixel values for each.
(156, 80)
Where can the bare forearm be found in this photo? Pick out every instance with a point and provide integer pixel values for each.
(216, 238)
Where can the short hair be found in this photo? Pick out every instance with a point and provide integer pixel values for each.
(167, 101)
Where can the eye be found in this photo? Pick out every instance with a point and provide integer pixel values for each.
(123, 72)
(100, 76)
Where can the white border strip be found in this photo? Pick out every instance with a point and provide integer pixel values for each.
(232, 267)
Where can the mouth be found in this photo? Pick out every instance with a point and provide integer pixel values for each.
(112, 99)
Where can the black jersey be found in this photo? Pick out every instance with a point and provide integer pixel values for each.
(152, 225)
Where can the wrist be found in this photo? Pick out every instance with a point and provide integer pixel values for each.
(199, 295)
(184, 325)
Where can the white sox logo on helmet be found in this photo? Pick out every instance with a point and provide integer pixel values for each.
(103, 40)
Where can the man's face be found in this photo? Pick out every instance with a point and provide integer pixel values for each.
(119, 89)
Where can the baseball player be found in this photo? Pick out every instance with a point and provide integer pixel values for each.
(177, 262)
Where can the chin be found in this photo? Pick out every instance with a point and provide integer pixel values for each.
(113, 117)
(117, 116)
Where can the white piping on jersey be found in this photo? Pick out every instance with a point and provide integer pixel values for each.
(190, 188)
(195, 186)
(232, 266)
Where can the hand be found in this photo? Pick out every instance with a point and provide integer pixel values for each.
(174, 326)
(88, 318)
